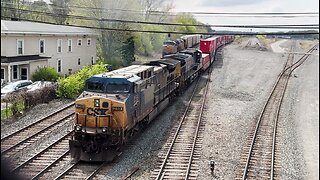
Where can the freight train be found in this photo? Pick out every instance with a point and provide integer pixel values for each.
(186, 41)
(114, 105)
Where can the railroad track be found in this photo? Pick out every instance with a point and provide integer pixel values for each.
(38, 164)
(179, 159)
(259, 161)
(82, 170)
(30, 134)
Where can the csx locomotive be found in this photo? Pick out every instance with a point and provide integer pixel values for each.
(116, 104)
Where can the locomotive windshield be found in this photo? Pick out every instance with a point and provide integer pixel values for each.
(95, 87)
(117, 88)
(170, 43)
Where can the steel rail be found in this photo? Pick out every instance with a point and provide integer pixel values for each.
(39, 121)
(67, 170)
(36, 134)
(40, 153)
(198, 126)
(295, 65)
(177, 132)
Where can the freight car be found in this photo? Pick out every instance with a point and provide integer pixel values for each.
(187, 41)
(114, 105)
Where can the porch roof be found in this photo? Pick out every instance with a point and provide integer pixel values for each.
(5, 59)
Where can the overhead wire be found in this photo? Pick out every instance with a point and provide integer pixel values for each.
(217, 14)
(175, 32)
(283, 26)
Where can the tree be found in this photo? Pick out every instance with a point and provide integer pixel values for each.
(45, 74)
(61, 9)
(41, 6)
(127, 51)
(8, 8)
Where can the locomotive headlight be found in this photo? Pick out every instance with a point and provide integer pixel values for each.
(96, 102)
(78, 128)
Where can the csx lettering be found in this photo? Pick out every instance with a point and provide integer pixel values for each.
(96, 111)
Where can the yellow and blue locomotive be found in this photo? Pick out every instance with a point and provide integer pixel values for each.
(115, 104)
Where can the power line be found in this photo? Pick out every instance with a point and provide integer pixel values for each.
(217, 14)
(195, 12)
(176, 32)
(302, 26)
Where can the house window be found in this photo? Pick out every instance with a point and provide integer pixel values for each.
(20, 46)
(24, 74)
(15, 71)
(59, 65)
(89, 41)
(92, 60)
(69, 45)
(59, 45)
(2, 73)
(78, 61)
(79, 42)
(41, 46)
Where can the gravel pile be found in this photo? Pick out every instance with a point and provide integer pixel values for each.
(253, 43)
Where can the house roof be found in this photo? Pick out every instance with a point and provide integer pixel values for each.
(5, 59)
(24, 27)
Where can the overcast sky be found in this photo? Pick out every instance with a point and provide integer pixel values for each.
(249, 6)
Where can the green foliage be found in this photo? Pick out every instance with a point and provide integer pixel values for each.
(305, 36)
(237, 39)
(127, 51)
(61, 9)
(261, 37)
(73, 85)
(45, 74)
(15, 105)
(186, 19)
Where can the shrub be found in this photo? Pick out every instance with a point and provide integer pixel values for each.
(73, 85)
(45, 74)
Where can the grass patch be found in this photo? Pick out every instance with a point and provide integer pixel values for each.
(9, 111)
(5, 113)
(306, 45)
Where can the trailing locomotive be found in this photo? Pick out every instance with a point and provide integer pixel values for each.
(174, 46)
(116, 104)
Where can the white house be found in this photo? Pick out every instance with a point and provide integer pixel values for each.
(25, 46)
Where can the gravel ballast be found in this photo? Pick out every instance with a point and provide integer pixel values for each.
(240, 85)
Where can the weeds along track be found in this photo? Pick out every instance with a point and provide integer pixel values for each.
(258, 162)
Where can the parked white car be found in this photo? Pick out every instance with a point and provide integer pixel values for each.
(15, 86)
(39, 85)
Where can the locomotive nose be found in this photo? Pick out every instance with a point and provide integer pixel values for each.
(98, 114)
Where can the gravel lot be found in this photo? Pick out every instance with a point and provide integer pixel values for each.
(300, 122)
(240, 85)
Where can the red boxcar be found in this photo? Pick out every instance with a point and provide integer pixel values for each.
(208, 45)
(205, 61)
(219, 41)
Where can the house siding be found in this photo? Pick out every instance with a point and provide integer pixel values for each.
(31, 47)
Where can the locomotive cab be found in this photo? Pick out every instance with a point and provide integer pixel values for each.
(108, 111)
(101, 118)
